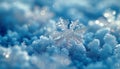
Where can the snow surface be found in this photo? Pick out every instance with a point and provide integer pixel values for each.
(59, 34)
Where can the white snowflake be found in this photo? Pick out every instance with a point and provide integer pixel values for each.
(66, 33)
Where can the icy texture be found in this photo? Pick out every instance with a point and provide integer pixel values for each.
(57, 34)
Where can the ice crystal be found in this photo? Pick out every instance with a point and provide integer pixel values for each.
(57, 34)
(66, 33)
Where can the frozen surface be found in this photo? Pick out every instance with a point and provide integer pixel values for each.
(59, 34)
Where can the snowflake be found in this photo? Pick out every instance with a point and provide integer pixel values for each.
(67, 33)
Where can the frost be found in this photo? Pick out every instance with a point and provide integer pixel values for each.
(111, 40)
(94, 48)
(94, 45)
(98, 65)
(57, 34)
(67, 34)
(106, 51)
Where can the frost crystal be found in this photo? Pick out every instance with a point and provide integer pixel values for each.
(59, 34)
(67, 33)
